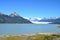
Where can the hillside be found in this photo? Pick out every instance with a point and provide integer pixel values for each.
(12, 18)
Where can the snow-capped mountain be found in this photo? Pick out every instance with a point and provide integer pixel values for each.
(12, 18)
(44, 20)
(33, 19)
(36, 20)
(14, 14)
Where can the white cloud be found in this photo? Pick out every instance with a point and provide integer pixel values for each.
(40, 22)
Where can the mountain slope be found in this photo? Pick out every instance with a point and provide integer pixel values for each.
(12, 18)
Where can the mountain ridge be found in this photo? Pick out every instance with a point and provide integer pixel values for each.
(12, 18)
(54, 20)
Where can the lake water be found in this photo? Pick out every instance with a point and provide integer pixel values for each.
(28, 28)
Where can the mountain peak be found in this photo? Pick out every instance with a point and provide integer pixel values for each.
(1, 13)
(13, 14)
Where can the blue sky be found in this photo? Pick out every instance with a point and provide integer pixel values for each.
(31, 8)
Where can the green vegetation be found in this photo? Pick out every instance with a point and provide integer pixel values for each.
(45, 37)
(32, 37)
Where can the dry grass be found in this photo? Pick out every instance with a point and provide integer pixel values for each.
(31, 37)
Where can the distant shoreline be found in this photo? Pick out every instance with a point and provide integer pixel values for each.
(32, 34)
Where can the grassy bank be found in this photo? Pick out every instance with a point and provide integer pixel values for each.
(31, 37)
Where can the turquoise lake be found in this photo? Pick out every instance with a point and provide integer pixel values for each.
(28, 28)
